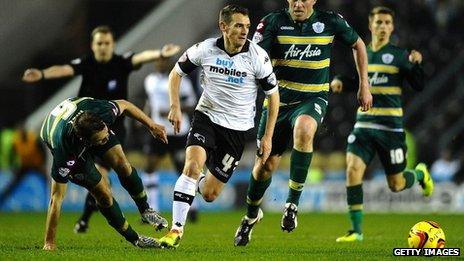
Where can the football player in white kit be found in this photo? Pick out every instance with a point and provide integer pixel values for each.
(233, 68)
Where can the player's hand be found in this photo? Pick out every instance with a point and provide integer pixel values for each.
(175, 118)
(336, 86)
(264, 149)
(169, 50)
(49, 246)
(364, 96)
(158, 131)
(32, 75)
(415, 57)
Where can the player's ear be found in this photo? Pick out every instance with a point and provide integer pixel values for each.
(222, 26)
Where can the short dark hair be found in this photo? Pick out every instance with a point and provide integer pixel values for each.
(226, 13)
(381, 10)
(104, 29)
(86, 124)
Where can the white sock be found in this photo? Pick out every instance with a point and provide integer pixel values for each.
(151, 183)
(201, 183)
(184, 193)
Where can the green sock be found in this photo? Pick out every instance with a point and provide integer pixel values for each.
(410, 177)
(299, 165)
(255, 195)
(133, 184)
(356, 217)
(354, 196)
(116, 219)
(419, 175)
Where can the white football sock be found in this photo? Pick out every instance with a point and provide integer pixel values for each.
(184, 193)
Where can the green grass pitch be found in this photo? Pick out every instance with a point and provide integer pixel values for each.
(21, 238)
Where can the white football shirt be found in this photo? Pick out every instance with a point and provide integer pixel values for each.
(230, 82)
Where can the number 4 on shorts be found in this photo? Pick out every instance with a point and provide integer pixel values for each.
(227, 161)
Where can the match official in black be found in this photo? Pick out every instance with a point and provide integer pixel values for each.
(104, 76)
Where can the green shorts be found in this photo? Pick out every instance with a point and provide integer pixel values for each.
(390, 146)
(82, 170)
(283, 131)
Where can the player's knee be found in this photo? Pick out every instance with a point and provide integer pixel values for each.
(303, 136)
(104, 200)
(192, 169)
(122, 166)
(353, 173)
(210, 196)
(304, 131)
(352, 170)
(395, 186)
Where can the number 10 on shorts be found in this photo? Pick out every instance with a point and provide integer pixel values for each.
(397, 156)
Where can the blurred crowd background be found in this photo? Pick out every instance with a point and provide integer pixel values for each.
(47, 32)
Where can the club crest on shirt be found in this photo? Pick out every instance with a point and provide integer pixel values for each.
(387, 58)
(112, 85)
(318, 27)
(70, 163)
(351, 138)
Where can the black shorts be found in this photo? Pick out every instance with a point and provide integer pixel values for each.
(224, 147)
(157, 147)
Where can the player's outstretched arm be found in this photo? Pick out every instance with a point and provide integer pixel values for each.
(151, 55)
(266, 141)
(158, 131)
(360, 57)
(58, 192)
(175, 113)
(56, 71)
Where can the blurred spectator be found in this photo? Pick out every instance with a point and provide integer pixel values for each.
(157, 90)
(444, 168)
(31, 158)
(459, 176)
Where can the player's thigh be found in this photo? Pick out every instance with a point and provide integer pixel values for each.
(392, 150)
(359, 154)
(116, 158)
(195, 158)
(112, 155)
(303, 133)
(282, 131)
(226, 155)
